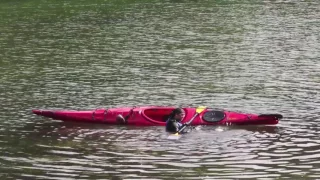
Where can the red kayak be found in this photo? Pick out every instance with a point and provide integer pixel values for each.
(157, 116)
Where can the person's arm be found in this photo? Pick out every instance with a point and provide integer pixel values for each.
(177, 126)
(180, 125)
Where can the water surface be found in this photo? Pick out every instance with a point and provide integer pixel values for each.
(251, 56)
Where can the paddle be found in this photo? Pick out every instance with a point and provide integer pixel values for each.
(198, 111)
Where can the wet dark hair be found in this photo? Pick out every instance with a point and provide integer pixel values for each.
(174, 112)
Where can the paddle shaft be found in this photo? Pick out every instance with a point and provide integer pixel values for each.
(187, 123)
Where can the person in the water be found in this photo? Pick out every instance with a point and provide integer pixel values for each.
(173, 124)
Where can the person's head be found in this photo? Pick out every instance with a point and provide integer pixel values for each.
(177, 114)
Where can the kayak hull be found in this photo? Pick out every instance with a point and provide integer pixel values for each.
(157, 115)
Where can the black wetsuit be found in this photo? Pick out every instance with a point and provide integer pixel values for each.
(172, 125)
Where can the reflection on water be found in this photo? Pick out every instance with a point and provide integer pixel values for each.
(251, 57)
(65, 150)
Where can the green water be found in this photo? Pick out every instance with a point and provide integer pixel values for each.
(251, 56)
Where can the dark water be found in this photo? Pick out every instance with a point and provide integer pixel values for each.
(251, 56)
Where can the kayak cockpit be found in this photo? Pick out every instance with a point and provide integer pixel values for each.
(158, 114)
(213, 116)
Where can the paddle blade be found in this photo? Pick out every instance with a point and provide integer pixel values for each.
(175, 136)
(200, 109)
